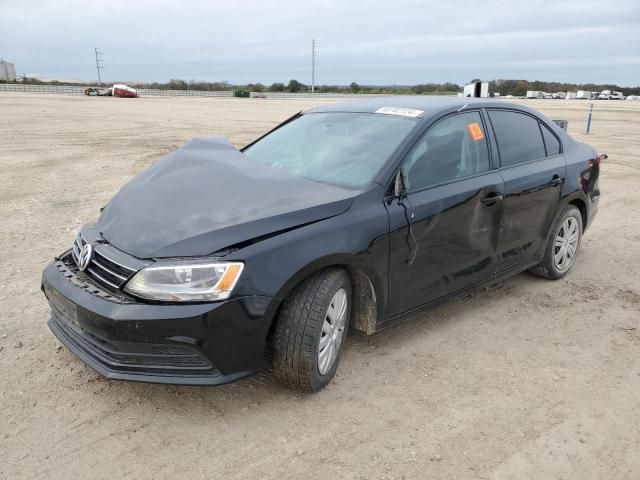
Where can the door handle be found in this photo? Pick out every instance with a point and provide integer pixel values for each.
(556, 180)
(492, 198)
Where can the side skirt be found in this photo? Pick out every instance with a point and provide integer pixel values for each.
(388, 322)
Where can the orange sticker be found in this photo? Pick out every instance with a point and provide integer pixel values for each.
(475, 131)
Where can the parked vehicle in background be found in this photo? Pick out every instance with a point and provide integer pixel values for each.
(604, 95)
(583, 95)
(98, 92)
(535, 94)
(570, 96)
(354, 215)
(616, 96)
(120, 90)
(476, 90)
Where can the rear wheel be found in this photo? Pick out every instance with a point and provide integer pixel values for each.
(563, 246)
(311, 330)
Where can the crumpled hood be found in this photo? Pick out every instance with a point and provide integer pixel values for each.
(207, 196)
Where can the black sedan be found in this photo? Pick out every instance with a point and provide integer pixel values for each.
(347, 216)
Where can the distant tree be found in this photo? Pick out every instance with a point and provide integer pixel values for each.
(176, 84)
(451, 87)
(329, 89)
(256, 87)
(295, 86)
(277, 87)
(354, 87)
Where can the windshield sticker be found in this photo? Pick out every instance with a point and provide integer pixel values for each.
(475, 131)
(405, 112)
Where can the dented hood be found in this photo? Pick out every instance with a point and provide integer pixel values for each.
(205, 197)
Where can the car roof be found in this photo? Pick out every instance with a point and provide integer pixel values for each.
(430, 105)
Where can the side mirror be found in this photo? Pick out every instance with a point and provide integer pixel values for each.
(399, 187)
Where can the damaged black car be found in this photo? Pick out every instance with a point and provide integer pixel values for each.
(348, 216)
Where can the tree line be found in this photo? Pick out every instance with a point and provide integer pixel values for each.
(517, 88)
(295, 86)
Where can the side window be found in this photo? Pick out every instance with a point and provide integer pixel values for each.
(453, 147)
(550, 141)
(518, 136)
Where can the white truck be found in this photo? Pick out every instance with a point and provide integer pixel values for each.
(535, 94)
(476, 89)
(604, 95)
(616, 96)
(583, 95)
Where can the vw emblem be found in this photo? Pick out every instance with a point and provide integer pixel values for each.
(85, 257)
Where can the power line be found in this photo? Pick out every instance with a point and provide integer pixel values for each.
(313, 65)
(98, 66)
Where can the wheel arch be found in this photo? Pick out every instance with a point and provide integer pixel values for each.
(581, 205)
(577, 200)
(368, 294)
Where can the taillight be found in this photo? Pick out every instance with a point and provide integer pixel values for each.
(597, 160)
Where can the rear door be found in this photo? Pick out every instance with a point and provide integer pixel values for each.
(444, 234)
(533, 172)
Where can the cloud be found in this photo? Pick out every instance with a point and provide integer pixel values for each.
(371, 42)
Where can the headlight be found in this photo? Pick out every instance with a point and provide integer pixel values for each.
(186, 282)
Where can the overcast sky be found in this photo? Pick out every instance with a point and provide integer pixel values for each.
(370, 42)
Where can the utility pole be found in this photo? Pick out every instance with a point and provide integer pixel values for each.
(313, 65)
(98, 67)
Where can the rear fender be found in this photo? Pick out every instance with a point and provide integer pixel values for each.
(574, 197)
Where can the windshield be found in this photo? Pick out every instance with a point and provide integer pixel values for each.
(344, 149)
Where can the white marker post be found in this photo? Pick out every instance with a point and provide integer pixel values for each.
(589, 120)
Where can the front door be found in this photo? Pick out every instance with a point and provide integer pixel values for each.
(444, 234)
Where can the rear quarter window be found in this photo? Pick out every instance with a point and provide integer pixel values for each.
(550, 141)
(518, 136)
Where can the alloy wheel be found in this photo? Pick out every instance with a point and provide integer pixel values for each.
(565, 245)
(333, 329)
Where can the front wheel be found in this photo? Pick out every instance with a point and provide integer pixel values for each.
(311, 330)
(563, 245)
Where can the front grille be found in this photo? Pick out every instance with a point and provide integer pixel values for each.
(102, 269)
(67, 266)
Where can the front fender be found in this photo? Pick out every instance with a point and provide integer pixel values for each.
(357, 239)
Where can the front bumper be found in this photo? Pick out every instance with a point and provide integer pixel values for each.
(187, 344)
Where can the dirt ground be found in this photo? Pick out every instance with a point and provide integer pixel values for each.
(530, 379)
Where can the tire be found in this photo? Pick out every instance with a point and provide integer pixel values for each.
(569, 219)
(299, 362)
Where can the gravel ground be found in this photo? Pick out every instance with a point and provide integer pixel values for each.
(529, 379)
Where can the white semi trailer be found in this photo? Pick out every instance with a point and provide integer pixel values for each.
(476, 89)
(535, 94)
